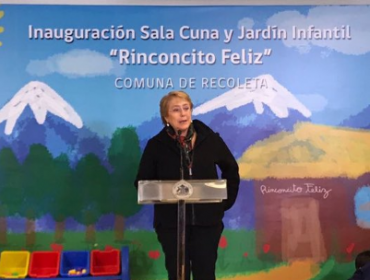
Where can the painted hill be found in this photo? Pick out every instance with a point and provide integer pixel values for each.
(309, 151)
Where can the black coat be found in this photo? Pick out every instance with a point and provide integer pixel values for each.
(363, 273)
(161, 161)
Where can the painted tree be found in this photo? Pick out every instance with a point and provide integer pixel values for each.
(38, 179)
(91, 182)
(64, 203)
(124, 156)
(11, 191)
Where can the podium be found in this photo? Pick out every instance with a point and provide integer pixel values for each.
(181, 192)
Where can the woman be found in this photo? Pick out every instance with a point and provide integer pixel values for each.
(204, 150)
(362, 265)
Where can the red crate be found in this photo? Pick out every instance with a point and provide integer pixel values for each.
(44, 264)
(105, 262)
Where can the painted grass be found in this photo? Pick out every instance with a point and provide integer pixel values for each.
(237, 259)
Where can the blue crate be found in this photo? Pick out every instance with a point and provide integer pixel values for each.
(77, 260)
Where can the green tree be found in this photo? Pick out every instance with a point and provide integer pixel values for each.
(91, 180)
(65, 203)
(38, 180)
(11, 191)
(124, 156)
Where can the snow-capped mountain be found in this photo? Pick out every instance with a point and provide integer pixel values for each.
(246, 115)
(360, 120)
(41, 99)
(271, 94)
(47, 120)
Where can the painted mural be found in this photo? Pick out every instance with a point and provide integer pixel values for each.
(286, 87)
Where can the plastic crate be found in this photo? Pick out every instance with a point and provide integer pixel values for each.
(125, 266)
(75, 263)
(14, 264)
(105, 262)
(44, 264)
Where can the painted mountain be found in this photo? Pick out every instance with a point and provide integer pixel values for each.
(360, 120)
(41, 99)
(243, 116)
(38, 115)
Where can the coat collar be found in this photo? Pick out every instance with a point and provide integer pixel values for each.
(201, 129)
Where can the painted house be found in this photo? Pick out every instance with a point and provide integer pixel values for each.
(312, 192)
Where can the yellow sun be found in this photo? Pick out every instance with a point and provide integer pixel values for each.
(1, 28)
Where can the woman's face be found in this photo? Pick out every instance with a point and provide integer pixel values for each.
(179, 114)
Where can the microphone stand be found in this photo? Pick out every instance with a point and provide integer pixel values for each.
(181, 222)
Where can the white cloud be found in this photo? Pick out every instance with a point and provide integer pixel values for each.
(328, 17)
(314, 102)
(248, 23)
(76, 63)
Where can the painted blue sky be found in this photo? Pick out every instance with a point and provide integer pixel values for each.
(362, 207)
(329, 76)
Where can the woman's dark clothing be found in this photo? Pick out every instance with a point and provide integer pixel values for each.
(161, 161)
(363, 273)
(201, 243)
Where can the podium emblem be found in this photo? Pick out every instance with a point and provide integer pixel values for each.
(182, 189)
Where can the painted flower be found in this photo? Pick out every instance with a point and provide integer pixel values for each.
(56, 247)
(155, 254)
(266, 248)
(223, 242)
(350, 247)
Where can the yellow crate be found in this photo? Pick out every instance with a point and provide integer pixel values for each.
(14, 264)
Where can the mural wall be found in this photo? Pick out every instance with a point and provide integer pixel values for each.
(286, 87)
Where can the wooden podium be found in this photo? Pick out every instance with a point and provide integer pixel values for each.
(181, 192)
